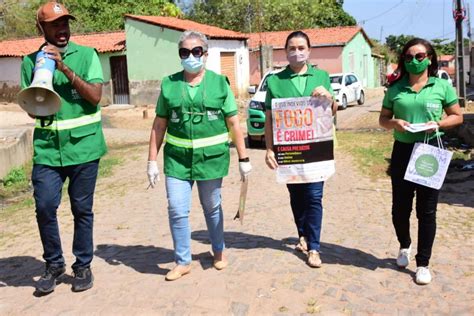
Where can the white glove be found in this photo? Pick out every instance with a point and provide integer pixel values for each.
(153, 172)
(244, 168)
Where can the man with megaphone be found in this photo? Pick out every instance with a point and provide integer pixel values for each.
(68, 140)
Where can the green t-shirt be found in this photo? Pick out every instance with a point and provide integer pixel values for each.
(299, 85)
(418, 107)
(300, 82)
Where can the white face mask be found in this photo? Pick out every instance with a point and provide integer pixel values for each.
(297, 58)
(193, 64)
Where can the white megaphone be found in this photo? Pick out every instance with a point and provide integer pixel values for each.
(40, 99)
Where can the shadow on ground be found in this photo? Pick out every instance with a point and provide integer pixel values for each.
(330, 253)
(143, 259)
(20, 271)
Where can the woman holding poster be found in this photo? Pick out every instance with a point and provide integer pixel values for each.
(417, 97)
(297, 81)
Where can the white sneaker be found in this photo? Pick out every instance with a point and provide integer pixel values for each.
(423, 275)
(403, 258)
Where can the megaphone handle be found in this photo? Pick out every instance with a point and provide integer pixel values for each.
(43, 120)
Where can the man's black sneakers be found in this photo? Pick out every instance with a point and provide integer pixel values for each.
(47, 282)
(83, 279)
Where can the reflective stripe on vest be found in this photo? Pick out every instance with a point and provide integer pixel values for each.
(197, 143)
(72, 123)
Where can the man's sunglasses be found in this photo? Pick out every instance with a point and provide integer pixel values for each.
(419, 57)
(197, 51)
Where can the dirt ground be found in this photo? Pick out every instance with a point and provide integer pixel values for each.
(266, 276)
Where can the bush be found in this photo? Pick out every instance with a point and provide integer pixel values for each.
(14, 177)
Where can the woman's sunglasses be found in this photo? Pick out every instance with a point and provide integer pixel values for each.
(197, 51)
(419, 57)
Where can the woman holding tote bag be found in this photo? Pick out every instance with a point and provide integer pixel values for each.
(417, 96)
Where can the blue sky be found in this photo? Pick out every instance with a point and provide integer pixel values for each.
(423, 18)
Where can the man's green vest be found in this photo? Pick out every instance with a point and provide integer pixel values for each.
(75, 135)
(197, 141)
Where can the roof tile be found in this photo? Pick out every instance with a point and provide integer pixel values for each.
(103, 42)
(183, 25)
(339, 35)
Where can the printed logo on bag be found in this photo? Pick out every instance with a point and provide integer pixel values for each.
(426, 165)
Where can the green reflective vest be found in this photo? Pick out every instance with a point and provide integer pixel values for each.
(197, 141)
(75, 135)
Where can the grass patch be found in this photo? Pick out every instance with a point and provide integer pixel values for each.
(370, 149)
(107, 164)
(15, 182)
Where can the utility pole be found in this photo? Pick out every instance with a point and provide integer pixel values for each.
(469, 35)
(459, 14)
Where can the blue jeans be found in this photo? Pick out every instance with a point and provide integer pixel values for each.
(48, 183)
(179, 204)
(306, 204)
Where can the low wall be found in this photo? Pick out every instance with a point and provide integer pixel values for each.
(16, 148)
(8, 93)
(144, 92)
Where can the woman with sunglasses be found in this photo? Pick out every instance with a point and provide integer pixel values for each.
(196, 110)
(417, 96)
(300, 79)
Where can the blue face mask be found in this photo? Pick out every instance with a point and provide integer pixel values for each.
(192, 64)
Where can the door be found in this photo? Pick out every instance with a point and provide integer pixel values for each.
(119, 74)
(349, 89)
(355, 86)
(228, 69)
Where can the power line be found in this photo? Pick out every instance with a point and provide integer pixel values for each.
(362, 22)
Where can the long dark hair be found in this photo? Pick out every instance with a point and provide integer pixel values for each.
(297, 34)
(432, 69)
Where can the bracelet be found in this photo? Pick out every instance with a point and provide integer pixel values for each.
(73, 78)
(247, 159)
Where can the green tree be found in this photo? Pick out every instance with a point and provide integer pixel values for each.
(270, 15)
(92, 15)
(443, 49)
(18, 18)
(396, 43)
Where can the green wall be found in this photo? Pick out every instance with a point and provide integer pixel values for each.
(147, 47)
(358, 50)
(105, 63)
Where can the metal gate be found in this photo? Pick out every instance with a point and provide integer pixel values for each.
(118, 67)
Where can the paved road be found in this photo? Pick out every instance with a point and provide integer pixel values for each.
(266, 276)
(350, 117)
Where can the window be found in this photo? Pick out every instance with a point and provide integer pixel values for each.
(347, 82)
(336, 79)
(353, 79)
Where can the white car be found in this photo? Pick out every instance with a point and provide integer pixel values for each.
(444, 75)
(347, 89)
(256, 111)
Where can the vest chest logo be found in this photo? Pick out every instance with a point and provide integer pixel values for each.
(213, 115)
(174, 117)
(75, 94)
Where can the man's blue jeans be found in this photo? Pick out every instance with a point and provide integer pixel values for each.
(179, 205)
(306, 204)
(48, 183)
